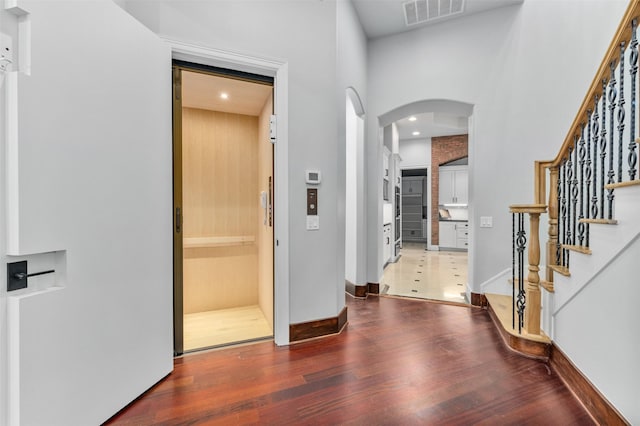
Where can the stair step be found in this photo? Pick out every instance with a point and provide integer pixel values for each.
(562, 270)
(530, 345)
(579, 249)
(547, 285)
(599, 221)
(623, 184)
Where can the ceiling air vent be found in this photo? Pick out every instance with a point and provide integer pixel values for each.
(419, 11)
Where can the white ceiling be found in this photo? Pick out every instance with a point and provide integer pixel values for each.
(203, 91)
(432, 124)
(381, 18)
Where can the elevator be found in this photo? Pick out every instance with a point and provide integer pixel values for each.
(223, 207)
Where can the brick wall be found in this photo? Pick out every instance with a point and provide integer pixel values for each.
(443, 150)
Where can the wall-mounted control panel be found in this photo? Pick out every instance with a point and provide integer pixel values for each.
(312, 201)
(312, 177)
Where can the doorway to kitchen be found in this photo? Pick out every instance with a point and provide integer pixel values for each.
(433, 146)
(223, 207)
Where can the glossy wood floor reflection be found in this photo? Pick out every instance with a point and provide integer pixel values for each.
(398, 362)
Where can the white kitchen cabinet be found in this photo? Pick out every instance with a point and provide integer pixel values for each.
(462, 235)
(386, 244)
(447, 235)
(454, 185)
(453, 235)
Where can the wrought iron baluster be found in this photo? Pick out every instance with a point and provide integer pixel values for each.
(566, 207)
(521, 300)
(587, 180)
(582, 153)
(571, 213)
(595, 131)
(613, 94)
(603, 144)
(621, 113)
(513, 271)
(561, 213)
(633, 63)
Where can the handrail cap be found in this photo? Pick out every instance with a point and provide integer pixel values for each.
(528, 208)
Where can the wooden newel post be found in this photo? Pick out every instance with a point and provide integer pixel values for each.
(532, 312)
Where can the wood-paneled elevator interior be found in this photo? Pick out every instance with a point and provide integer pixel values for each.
(227, 223)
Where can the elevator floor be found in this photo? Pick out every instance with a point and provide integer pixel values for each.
(225, 326)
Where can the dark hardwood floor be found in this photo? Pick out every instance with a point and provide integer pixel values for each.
(398, 362)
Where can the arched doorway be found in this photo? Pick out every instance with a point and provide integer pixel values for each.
(438, 154)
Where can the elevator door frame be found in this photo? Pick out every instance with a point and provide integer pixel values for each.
(198, 55)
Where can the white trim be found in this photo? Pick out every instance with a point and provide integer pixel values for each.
(280, 71)
(353, 95)
(222, 58)
(12, 159)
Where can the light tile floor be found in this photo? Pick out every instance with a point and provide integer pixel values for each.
(438, 275)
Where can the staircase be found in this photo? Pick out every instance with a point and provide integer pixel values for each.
(579, 310)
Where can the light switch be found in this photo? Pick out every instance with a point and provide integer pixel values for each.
(486, 221)
(313, 223)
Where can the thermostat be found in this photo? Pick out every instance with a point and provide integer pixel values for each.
(313, 177)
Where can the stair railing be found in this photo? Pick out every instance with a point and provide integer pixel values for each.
(526, 291)
(598, 155)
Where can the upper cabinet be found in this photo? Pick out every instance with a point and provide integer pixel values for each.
(454, 185)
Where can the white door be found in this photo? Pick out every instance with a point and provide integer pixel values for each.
(461, 184)
(446, 187)
(89, 150)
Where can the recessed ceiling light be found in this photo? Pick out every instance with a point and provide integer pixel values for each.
(412, 118)
(224, 95)
(416, 133)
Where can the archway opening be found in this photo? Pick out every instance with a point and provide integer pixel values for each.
(435, 202)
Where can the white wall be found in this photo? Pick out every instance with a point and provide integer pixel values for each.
(351, 53)
(286, 31)
(500, 61)
(598, 331)
(415, 153)
(88, 176)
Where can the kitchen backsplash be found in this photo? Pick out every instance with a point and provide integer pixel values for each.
(454, 213)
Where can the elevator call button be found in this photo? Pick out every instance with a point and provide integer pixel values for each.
(312, 201)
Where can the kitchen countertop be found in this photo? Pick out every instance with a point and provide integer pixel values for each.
(453, 220)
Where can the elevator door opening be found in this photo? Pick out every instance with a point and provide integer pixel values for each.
(223, 192)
